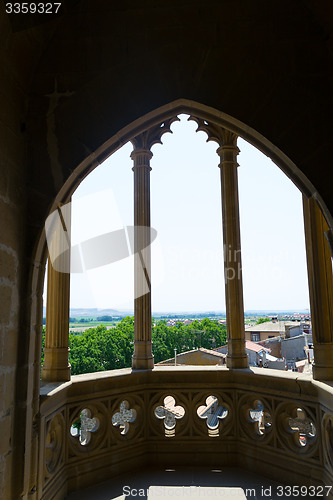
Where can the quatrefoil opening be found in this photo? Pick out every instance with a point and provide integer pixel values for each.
(302, 427)
(261, 418)
(169, 412)
(213, 413)
(84, 426)
(124, 417)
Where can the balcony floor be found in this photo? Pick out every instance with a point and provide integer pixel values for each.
(201, 483)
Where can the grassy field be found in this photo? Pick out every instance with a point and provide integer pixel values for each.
(93, 324)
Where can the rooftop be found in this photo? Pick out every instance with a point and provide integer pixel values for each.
(193, 351)
(272, 326)
(252, 346)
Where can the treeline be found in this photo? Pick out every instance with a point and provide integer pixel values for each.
(89, 320)
(105, 318)
(99, 349)
(205, 333)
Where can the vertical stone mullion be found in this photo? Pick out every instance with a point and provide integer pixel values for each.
(56, 367)
(142, 357)
(236, 357)
(228, 151)
(320, 280)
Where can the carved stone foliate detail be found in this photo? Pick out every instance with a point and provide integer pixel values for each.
(145, 141)
(54, 443)
(84, 426)
(213, 413)
(224, 138)
(124, 417)
(169, 412)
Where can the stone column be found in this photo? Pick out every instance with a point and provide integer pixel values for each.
(143, 358)
(56, 367)
(320, 279)
(228, 151)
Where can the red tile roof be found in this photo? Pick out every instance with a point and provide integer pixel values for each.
(252, 346)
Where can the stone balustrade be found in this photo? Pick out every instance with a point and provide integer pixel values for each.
(102, 424)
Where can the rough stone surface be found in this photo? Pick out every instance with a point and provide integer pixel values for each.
(8, 265)
(5, 303)
(9, 348)
(9, 225)
(5, 431)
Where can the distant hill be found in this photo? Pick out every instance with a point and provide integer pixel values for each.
(276, 311)
(94, 312)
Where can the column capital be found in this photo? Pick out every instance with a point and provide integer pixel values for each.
(141, 158)
(227, 140)
(144, 142)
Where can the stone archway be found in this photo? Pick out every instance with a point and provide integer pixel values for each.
(180, 106)
(151, 119)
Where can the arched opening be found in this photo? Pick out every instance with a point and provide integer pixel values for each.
(213, 152)
(135, 403)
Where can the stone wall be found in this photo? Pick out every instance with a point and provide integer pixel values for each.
(293, 348)
(12, 231)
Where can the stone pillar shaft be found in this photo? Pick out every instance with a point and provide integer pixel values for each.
(320, 279)
(236, 357)
(56, 367)
(228, 151)
(143, 356)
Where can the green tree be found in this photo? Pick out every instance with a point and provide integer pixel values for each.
(262, 320)
(99, 349)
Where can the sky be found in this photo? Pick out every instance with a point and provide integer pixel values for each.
(187, 260)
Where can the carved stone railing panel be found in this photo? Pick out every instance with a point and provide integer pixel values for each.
(84, 426)
(128, 410)
(303, 427)
(87, 429)
(131, 415)
(216, 414)
(54, 445)
(124, 417)
(169, 413)
(296, 429)
(255, 418)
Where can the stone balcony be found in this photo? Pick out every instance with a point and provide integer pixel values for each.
(277, 424)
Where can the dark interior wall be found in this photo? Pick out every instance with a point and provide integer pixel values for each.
(12, 244)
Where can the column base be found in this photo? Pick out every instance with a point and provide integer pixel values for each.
(56, 367)
(237, 362)
(56, 375)
(322, 368)
(143, 358)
